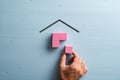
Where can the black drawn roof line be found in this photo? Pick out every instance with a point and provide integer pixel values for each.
(59, 20)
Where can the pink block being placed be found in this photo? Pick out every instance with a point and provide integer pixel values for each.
(68, 49)
(55, 44)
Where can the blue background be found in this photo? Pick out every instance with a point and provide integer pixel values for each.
(26, 54)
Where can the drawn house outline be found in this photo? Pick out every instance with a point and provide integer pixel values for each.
(59, 20)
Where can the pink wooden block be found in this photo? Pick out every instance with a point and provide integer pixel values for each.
(63, 36)
(55, 36)
(68, 49)
(59, 36)
(55, 44)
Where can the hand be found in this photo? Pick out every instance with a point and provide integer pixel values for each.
(75, 70)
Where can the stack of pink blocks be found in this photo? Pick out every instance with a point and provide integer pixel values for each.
(56, 38)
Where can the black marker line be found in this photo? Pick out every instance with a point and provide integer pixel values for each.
(69, 26)
(63, 23)
(49, 26)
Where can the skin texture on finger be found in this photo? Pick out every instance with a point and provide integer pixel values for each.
(85, 68)
(76, 57)
(63, 60)
(82, 68)
(75, 54)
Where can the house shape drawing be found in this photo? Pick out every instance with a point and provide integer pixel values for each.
(59, 20)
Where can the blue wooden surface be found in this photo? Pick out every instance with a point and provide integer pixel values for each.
(25, 54)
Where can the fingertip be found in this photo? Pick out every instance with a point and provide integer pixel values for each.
(74, 53)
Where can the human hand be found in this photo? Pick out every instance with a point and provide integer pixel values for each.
(75, 70)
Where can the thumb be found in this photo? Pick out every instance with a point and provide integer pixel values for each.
(63, 60)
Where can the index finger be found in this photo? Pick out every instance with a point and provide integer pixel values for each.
(75, 54)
